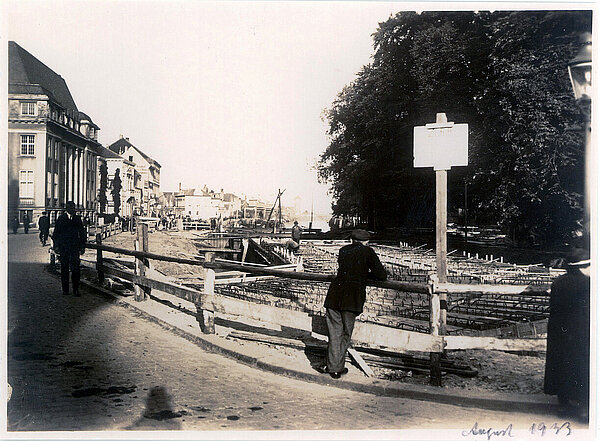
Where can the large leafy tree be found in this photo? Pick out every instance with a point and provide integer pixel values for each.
(505, 74)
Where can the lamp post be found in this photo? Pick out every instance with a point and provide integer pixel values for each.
(580, 72)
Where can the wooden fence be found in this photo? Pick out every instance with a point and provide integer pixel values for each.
(364, 333)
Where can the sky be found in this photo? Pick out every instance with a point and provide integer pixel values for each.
(229, 95)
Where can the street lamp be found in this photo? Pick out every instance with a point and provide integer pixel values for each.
(580, 72)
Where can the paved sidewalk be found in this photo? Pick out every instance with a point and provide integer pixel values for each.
(99, 362)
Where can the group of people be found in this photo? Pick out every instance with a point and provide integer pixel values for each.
(69, 238)
(15, 224)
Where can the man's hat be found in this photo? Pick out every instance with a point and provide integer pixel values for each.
(360, 235)
(70, 204)
(579, 257)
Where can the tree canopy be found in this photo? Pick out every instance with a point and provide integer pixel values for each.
(505, 74)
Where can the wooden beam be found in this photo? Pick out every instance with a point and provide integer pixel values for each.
(493, 343)
(297, 275)
(359, 360)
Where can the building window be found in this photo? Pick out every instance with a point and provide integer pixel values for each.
(26, 183)
(28, 109)
(27, 145)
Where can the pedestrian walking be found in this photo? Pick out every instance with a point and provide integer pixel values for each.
(14, 223)
(44, 227)
(69, 241)
(26, 222)
(296, 233)
(345, 299)
(567, 372)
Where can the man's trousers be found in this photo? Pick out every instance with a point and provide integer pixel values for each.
(340, 325)
(69, 260)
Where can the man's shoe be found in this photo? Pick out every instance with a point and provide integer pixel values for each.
(76, 293)
(337, 375)
(322, 369)
(65, 293)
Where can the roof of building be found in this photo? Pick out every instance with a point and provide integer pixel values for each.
(123, 144)
(185, 192)
(86, 117)
(109, 154)
(106, 153)
(25, 71)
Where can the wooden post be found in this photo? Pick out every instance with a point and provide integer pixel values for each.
(207, 317)
(146, 262)
(142, 238)
(441, 247)
(139, 268)
(245, 243)
(99, 260)
(435, 358)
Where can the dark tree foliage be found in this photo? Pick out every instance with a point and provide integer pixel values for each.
(102, 200)
(116, 191)
(503, 73)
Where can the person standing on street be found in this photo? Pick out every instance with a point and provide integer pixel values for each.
(567, 372)
(26, 223)
(44, 227)
(346, 296)
(296, 233)
(15, 224)
(69, 241)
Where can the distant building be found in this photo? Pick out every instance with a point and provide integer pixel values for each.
(254, 209)
(231, 206)
(52, 146)
(131, 182)
(149, 170)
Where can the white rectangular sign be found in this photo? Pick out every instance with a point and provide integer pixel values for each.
(441, 147)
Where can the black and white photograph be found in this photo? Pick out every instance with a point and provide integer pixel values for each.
(298, 220)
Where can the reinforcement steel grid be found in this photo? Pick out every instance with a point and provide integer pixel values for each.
(467, 313)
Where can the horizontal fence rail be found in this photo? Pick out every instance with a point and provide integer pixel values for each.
(367, 333)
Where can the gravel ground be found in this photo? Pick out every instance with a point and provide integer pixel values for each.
(497, 370)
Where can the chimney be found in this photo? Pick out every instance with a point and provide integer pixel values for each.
(180, 187)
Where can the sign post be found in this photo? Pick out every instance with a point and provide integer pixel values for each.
(441, 145)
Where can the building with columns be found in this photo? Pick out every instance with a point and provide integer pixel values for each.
(52, 146)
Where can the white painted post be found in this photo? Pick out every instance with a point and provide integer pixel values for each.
(207, 319)
(245, 243)
(137, 289)
(435, 358)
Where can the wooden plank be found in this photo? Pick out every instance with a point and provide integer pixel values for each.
(297, 275)
(462, 288)
(359, 360)
(493, 343)
(183, 292)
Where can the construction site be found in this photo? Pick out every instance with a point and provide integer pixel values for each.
(477, 313)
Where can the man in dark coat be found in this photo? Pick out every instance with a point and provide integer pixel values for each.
(567, 372)
(14, 223)
(26, 222)
(346, 296)
(296, 232)
(69, 241)
(44, 227)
